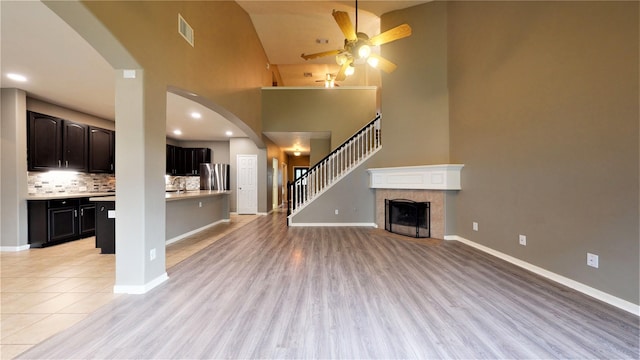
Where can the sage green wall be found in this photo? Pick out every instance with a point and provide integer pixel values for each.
(544, 115)
(415, 108)
(342, 111)
(227, 70)
(319, 149)
(351, 196)
(13, 170)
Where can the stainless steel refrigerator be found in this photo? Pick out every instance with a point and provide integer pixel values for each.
(214, 177)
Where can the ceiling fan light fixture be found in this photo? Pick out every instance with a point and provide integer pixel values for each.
(364, 51)
(341, 58)
(350, 70)
(373, 61)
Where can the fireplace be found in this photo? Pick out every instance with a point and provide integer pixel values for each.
(408, 217)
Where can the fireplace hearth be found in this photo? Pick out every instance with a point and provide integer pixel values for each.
(408, 217)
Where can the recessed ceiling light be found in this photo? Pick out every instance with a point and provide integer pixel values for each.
(17, 77)
(228, 133)
(196, 115)
(177, 132)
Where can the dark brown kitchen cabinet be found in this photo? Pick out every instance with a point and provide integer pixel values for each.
(44, 142)
(101, 150)
(175, 160)
(56, 144)
(53, 222)
(86, 218)
(193, 157)
(75, 142)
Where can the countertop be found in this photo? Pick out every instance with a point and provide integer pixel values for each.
(174, 196)
(68, 196)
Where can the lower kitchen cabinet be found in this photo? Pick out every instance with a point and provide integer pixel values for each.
(56, 221)
(87, 219)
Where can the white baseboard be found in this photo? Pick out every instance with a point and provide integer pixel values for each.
(333, 224)
(585, 289)
(14, 248)
(140, 289)
(180, 237)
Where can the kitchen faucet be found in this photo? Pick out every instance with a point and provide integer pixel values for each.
(182, 185)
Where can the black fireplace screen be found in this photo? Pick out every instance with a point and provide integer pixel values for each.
(407, 217)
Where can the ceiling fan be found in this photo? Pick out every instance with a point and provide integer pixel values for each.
(357, 46)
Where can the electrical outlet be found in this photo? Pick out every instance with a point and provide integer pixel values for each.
(475, 226)
(336, 211)
(152, 254)
(523, 240)
(200, 204)
(592, 260)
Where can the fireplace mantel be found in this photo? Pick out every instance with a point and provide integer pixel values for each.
(424, 177)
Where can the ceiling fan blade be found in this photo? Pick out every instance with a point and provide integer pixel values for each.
(398, 32)
(320, 54)
(345, 24)
(384, 64)
(342, 73)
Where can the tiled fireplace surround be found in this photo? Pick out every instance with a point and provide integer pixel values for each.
(417, 183)
(435, 197)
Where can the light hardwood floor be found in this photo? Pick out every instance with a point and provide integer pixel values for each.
(44, 291)
(268, 291)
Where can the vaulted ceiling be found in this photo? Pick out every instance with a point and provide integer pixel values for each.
(79, 78)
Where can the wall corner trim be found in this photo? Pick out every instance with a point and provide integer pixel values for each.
(585, 289)
(140, 289)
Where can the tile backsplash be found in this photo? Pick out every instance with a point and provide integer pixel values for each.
(68, 183)
(192, 182)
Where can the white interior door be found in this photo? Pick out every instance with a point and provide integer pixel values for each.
(247, 184)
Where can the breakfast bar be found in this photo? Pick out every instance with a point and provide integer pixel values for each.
(187, 212)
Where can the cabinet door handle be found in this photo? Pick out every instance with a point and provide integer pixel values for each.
(59, 163)
(66, 163)
(82, 212)
(75, 213)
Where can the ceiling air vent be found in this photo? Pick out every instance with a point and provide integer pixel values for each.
(185, 29)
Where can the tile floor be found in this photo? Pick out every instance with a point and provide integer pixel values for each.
(44, 291)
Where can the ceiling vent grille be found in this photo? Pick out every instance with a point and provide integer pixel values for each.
(185, 30)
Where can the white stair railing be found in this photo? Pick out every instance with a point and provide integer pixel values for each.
(335, 166)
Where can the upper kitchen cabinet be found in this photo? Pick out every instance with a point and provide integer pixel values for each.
(101, 150)
(175, 160)
(193, 157)
(56, 144)
(44, 142)
(75, 142)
